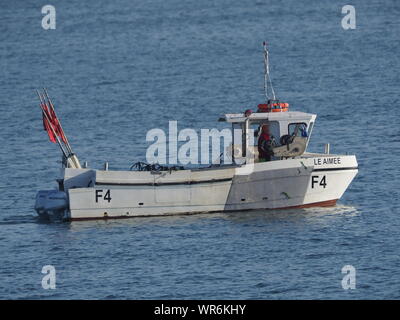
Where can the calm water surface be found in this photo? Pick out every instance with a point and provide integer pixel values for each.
(117, 70)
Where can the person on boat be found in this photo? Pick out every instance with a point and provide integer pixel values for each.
(266, 143)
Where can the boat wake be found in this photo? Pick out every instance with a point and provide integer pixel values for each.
(21, 219)
(295, 214)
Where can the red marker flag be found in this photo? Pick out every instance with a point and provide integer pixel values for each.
(57, 126)
(46, 124)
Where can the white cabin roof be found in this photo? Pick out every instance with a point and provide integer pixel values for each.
(271, 116)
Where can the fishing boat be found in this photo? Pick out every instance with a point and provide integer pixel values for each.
(291, 177)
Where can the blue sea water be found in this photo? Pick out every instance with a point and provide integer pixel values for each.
(117, 69)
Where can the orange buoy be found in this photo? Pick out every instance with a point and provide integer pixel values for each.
(274, 107)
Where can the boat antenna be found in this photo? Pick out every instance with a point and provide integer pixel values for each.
(267, 77)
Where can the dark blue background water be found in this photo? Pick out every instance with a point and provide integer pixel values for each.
(117, 69)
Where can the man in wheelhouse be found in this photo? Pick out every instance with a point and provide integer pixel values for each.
(266, 143)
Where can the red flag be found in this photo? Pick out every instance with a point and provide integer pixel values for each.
(46, 125)
(57, 126)
(50, 121)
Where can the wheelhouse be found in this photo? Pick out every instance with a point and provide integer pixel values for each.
(283, 125)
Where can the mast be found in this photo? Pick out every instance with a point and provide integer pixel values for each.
(267, 77)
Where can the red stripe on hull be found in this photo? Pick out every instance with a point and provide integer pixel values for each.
(328, 203)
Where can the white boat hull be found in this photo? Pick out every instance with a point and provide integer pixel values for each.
(311, 180)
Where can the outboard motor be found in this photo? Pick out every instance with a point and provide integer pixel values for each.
(50, 203)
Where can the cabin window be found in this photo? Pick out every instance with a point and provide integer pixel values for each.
(300, 129)
(256, 132)
(273, 129)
